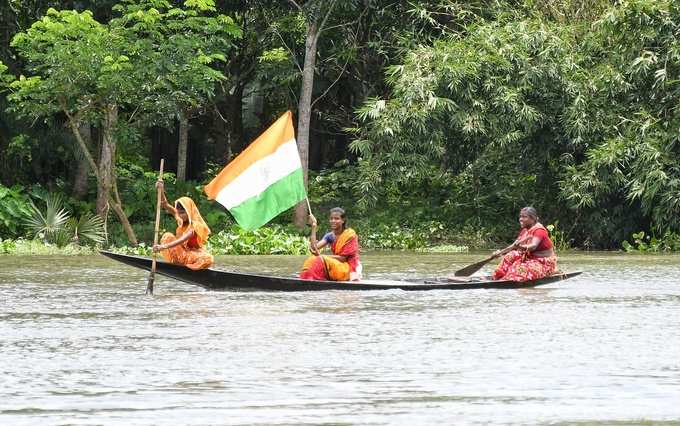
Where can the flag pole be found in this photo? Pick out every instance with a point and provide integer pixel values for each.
(309, 208)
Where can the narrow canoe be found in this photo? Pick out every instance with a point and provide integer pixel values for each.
(213, 279)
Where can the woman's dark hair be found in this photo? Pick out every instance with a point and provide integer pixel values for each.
(342, 214)
(531, 212)
(179, 206)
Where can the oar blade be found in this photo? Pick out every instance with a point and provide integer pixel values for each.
(149, 284)
(471, 269)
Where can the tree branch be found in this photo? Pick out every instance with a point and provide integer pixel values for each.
(79, 138)
(361, 15)
(325, 18)
(344, 67)
(290, 51)
(296, 5)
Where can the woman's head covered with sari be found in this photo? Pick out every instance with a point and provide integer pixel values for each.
(195, 219)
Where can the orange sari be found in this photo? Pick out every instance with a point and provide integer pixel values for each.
(191, 252)
(327, 268)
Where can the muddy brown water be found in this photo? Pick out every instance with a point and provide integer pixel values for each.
(81, 344)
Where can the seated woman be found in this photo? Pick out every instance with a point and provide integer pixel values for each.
(533, 256)
(186, 246)
(343, 264)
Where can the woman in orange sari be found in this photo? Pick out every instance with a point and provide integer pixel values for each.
(533, 256)
(343, 264)
(186, 246)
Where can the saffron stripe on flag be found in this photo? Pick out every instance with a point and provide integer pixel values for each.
(280, 132)
(264, 180)
(282, 195)
(260, 175)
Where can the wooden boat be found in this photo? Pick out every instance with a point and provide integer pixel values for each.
(214, 279)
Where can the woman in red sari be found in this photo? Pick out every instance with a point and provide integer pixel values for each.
(343, 264)
(185, 247)
(532, 256)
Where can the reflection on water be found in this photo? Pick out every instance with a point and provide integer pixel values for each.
(81, 344)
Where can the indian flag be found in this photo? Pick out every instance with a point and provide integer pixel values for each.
(264, 180)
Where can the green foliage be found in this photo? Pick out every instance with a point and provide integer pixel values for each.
(54, 224)
(7, 246)
(15, 208)
(567, 105)
(138, 192)
(88, 228)
(5, 79)
(22, 247)
(476, 111)
(560, 239)
(49, 225)
(627, 117)
(267, 240)
(185, 44)
(446, 248)
(154, 58)
(644, 243)
(512, 104)
(140, 249)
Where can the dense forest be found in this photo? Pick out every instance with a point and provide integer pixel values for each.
(433, 120)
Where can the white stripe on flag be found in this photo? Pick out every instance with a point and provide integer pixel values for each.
(261, 175)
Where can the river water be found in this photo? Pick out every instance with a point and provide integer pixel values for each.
(80, 344)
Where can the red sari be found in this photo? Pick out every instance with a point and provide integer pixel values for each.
(327, 268)
(525, 266)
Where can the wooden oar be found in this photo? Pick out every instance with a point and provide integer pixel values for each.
(149, 283)
(471, 269)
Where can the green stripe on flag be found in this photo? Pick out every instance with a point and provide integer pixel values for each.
(280, 196)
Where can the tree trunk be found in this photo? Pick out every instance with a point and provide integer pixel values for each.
(305, 113)
(107, 157)
(182, 146)
(82, 171)
(235, 118)
(219, 133)
(107, 190)
(105, 172)
(227, 127)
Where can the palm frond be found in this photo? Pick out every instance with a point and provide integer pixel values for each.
(51, 221)
(87, 229)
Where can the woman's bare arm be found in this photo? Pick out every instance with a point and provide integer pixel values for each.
(177, 242)
(313, 244)
(164, 200)
(531, 246)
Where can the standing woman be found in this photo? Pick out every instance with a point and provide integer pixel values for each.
(533, 256)
(343, 264)
(186, 246)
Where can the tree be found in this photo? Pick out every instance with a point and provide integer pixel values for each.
(81, 70)
(188, 42)
(116, 77)
(626, 118)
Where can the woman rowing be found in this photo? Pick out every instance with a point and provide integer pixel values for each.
(343, 264)
(532, 256)
(185, 247)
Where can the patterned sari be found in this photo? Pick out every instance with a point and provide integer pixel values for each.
(191, 252)
(327, 268)
(525, 266)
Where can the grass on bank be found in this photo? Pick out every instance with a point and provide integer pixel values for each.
(274, 239)
(278, 239)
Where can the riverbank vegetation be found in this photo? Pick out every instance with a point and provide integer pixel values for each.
(431, 122)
